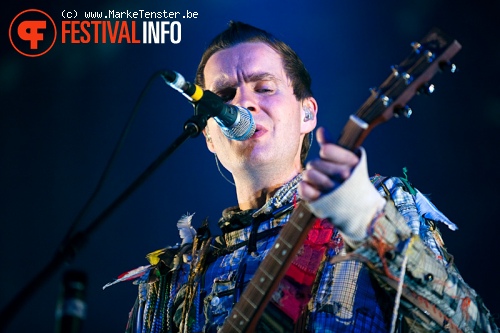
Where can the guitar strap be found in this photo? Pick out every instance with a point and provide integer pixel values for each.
(378, 181)
(287, 310)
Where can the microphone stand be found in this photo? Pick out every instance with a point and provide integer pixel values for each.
(67, 251)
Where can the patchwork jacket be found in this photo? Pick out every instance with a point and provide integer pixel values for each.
(394, 276)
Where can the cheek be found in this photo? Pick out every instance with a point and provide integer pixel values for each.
(219, 143)
(214, 129)
(292, 117)
(212, 135)
(283, 110)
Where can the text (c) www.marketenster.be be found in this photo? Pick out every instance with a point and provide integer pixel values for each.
(140, 14)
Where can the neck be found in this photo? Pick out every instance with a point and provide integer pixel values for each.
(254, 190)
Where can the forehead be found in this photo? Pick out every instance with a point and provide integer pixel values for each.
(242, 61)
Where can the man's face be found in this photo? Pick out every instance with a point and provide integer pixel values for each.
(251, 75)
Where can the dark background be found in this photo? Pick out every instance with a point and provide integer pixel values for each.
(62, 113)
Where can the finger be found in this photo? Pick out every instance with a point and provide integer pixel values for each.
(337, 154)
(307, 192)
(332, 152)
(318, 180)
(332, 170)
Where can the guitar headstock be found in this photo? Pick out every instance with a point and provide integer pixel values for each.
(432, 54)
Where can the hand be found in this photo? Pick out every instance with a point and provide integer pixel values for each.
(327, 172)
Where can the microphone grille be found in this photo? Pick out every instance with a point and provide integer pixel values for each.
(243, 128)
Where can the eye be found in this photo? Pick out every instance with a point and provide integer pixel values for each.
(265, 87)
(227, 94)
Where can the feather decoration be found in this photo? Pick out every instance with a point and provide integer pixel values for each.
(130, 275)
(429, 211)
(154, 257)
(186, 231)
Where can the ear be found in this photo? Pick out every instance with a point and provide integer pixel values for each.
(208, 140)
(308, 123)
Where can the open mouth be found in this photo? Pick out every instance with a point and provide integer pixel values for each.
(259, 131)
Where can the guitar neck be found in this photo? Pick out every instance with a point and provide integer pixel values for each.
(246, 313)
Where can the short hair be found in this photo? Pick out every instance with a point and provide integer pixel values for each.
(238, 33)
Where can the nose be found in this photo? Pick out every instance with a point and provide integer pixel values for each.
(246, 98)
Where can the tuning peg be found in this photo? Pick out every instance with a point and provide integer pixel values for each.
(430, 56)
(373, 92)
(407, 77)
(395, 70)
(417, 47)
(386, 100)
(406, 111)
(427, 88)
(446, 65)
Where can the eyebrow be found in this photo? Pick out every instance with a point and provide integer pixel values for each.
(224, 82)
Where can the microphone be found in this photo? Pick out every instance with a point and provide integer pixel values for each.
(235, 121)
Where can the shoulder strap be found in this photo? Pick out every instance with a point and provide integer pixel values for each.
(378, 181)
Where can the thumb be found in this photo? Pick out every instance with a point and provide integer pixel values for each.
(323, 136)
